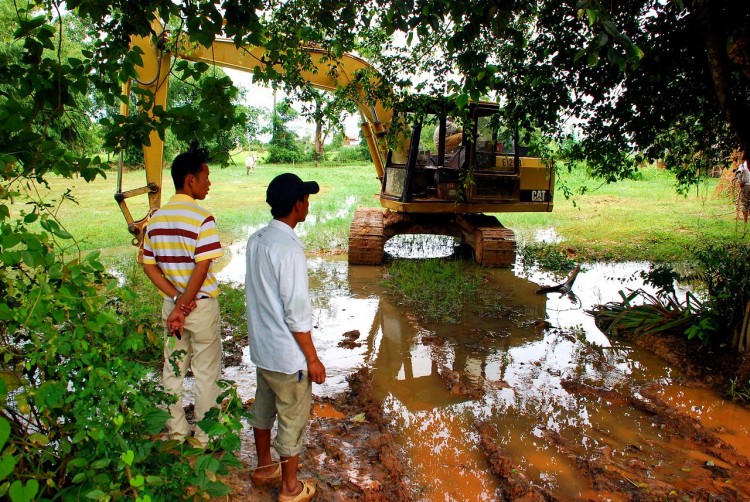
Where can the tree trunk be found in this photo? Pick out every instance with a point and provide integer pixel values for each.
(318, 141)
(710, 14)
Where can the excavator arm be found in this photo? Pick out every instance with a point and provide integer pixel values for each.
(326, 74)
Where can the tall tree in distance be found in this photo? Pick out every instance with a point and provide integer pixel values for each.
(326, 111)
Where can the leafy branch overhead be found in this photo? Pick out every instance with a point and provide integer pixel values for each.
(620, 82)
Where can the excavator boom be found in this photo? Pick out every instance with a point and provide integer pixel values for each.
(326, 74)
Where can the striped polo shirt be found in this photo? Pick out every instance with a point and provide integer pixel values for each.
(179, 235)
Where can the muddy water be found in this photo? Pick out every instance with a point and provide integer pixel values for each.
(513, 365)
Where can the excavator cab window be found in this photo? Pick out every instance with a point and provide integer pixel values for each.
(494, 146)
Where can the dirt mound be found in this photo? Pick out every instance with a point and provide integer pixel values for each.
(701, 365)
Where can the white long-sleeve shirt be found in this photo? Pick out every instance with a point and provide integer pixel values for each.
(278, 299)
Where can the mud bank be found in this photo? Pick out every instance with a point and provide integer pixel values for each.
(349, 451)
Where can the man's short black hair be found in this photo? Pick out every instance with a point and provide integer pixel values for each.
(184, 164)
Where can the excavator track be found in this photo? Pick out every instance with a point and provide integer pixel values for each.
(366, 237)
(493, 244)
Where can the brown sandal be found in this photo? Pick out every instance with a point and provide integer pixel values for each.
(307, 493)
(264, 480)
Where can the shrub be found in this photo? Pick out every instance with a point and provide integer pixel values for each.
(283, 155)
(82, 405)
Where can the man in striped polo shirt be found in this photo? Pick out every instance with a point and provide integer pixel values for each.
(179, 245)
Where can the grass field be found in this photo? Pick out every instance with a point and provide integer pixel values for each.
(640, 219)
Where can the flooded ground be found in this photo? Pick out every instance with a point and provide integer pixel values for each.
(529, 400)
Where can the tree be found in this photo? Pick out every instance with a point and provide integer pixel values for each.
(641, 80)
(326, 110)
(283, 145)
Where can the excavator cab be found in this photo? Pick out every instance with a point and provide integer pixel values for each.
(474, 164)
(443, 178)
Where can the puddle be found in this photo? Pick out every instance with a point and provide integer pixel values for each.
(421, 246)
(521, 377)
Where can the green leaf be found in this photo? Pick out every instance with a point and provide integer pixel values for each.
(23, 493)
(4, 432)
(39, 439)
(95, 495)
(137, 481)
(128, 457)
(154, 420)
(100, 464)
(207, 462)
(217, 489)
(359, 418)
(10, 379)
(593, 58)
(78, 462)
(591, 15)
(7, 464)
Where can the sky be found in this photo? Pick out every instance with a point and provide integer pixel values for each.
(262, 97)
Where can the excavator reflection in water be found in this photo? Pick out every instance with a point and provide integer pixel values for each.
(435, 178)
(425, 370)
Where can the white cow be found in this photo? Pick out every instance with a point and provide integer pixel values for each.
(250, 162)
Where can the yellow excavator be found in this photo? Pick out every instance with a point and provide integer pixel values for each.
(438, 177)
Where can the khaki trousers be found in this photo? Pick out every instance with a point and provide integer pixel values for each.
(201, 342)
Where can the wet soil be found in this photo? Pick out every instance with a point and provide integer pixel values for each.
(518, 408)
(701, 365)
(351, 453)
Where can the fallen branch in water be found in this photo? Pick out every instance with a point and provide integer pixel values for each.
(561, 288)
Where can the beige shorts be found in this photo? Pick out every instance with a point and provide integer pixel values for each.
(288, 399)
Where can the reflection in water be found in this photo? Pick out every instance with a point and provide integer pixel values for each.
(515, 369)
(421, 246)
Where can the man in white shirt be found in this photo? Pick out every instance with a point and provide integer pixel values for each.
(742, 175)
(279, 321)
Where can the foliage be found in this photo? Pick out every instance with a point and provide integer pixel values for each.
(326, 111)
(650, 315)
(723, 269)
(65, 338)
(664, 81)
(233, 311)
(65, 334)
(436, 289)
(737, 392)
(548, 256)
(183, 92)
(352, 154)
(283, 147)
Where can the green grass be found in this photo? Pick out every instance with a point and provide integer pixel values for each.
(237, 201)
(437, 290)
(631, 220)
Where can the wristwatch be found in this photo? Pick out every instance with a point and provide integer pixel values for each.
(175, 297)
